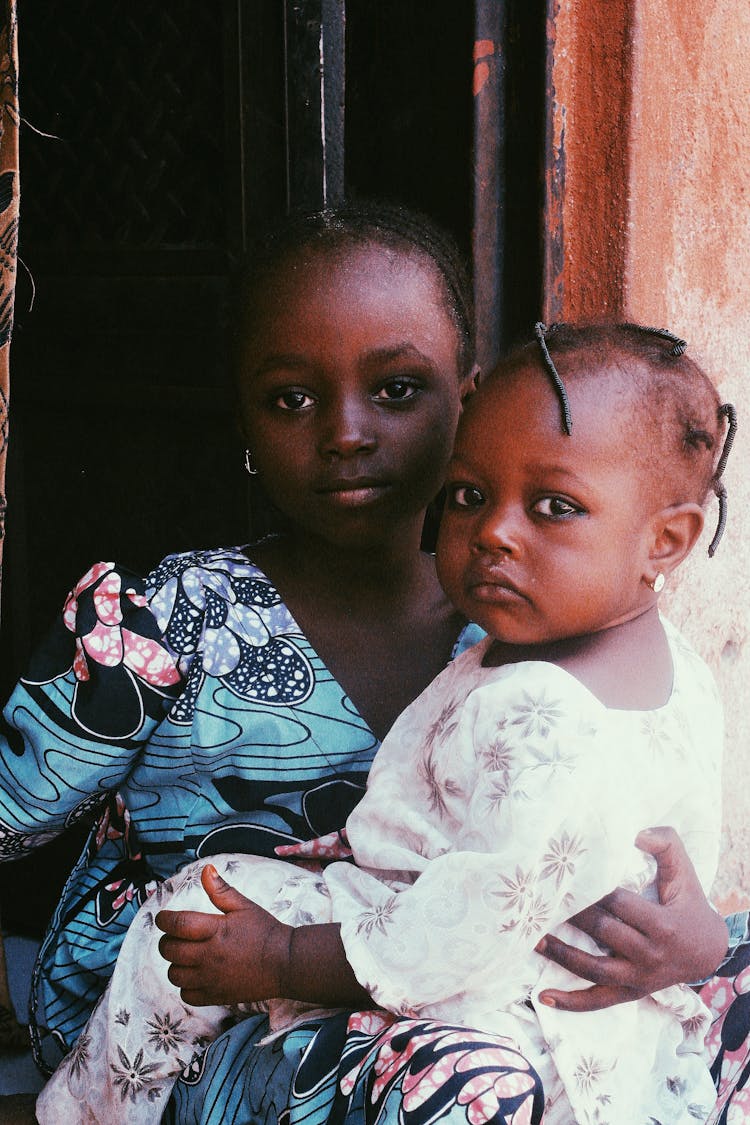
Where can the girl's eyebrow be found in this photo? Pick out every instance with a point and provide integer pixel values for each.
(280, 362)
(398, 352)
(286, 361)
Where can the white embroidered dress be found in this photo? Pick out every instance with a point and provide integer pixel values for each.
(502, 801)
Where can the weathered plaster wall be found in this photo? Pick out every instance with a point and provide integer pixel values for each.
(688, 266)
(648, 216)
(586, 157)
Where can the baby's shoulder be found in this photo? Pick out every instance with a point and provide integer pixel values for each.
(695, 687)
(539, 688)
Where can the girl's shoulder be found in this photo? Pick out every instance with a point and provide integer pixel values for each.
(215, 597)
(200, 567)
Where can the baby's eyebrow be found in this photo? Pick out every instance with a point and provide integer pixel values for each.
(554, 476)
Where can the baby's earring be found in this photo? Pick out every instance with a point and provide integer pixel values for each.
(249, 467)
(658, 583)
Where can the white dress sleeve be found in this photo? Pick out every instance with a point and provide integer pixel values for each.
(509, 817)
(504, 801)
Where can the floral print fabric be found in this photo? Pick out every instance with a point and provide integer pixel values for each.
(182, 744)
(727, 996)
(191, 709)
(502, 801)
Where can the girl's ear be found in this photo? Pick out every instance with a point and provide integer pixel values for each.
(239, 424)
(676, 531)
(470, 382)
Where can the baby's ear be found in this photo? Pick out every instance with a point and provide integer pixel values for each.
(470, 382)
(676, 531)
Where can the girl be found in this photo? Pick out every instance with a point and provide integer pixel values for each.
(507, 796)
(234, 699)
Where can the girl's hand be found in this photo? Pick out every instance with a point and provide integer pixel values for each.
(239, 955)
(653, 945)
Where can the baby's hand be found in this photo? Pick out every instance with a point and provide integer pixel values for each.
(233, 957)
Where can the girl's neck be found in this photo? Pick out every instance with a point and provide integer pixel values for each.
(377, 618)
(304, 562)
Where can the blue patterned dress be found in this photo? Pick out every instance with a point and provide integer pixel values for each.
(191, 717)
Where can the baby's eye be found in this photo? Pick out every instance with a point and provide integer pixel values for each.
(554, 507)
(293, 400)
(464, 496)
(397, 390)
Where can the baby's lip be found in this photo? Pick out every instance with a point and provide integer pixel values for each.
(485, 581)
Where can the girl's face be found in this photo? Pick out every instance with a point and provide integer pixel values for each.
(545, 536)
(350, 391)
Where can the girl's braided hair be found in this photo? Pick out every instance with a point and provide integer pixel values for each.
(679, 405)
(362, 223)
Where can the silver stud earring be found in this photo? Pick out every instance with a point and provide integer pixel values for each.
(658, 583)
(249, 468)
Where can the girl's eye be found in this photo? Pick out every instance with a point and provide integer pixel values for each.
(464, 496)
(554, 507)
(293, 400)
(397, 390)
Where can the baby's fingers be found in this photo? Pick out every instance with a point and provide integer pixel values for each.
(192, 985)
(189, 925)
(181, 952)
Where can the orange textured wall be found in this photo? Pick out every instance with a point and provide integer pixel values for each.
(588, 97)
(648, 214)
(688, 266)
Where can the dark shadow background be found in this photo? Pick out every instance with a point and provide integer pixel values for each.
(168, 156)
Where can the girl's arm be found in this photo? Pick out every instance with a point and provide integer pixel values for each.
(652, 945)
(245, 954)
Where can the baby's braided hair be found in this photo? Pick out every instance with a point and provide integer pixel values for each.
(719, 487)
(656, 358)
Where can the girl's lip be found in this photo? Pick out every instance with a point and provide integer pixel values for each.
(344, 484)
(354, 493)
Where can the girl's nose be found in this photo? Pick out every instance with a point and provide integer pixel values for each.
(348, 429)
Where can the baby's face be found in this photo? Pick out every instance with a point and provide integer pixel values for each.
(544, 535)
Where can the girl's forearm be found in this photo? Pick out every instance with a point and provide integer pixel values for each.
(314, 968)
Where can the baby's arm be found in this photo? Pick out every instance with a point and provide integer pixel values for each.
(652, 945)
(244, 954)
(144, 1031)
(541, 794)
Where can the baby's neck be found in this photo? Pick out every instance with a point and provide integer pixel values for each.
(628, 666)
